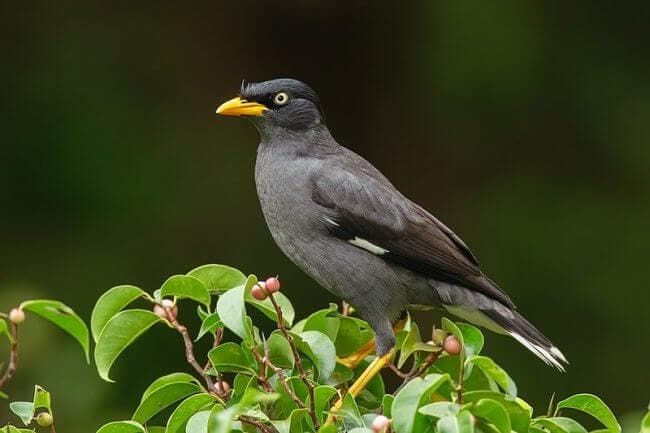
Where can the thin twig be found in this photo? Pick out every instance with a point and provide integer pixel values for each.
(262, 363)
(218, 336)
(255, 423)
(298, 361)
(408, 375)
(189, 353)
(281, 377)
(52, 429)
(461, 381)
(13, 357)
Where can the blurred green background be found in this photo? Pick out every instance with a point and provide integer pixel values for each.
(523, 125)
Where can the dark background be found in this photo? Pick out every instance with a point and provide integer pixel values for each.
(523, 125)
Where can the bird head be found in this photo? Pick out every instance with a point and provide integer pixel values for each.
(283, 103)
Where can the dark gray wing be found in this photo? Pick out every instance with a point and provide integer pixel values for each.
(362, 205)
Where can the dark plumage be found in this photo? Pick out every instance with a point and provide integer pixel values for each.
(338, 218)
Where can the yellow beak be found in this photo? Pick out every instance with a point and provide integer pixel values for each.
(241, 107)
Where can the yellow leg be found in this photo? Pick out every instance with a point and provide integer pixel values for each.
(362, 381)
(351, 361)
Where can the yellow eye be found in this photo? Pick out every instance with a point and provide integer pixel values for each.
(281, 98)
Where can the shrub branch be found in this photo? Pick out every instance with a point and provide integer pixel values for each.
(189, 353)
(298, 361)
(13, 357)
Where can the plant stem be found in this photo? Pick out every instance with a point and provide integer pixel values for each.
(265, 361)
(189, 353)
(13, 357)
(258, 424)
(298, 361)
(262, 363)
(461, 381)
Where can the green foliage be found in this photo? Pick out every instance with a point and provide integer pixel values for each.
(39, 410)
(297, 379)
(62, 316)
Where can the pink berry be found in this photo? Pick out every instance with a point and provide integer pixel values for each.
(223, 387)
(167, 303)
(452, 345)
(272, 284)
(380, 424)
(159, 311)
(258, 292)
(17, 316)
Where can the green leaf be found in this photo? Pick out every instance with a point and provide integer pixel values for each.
(461, 423)
(413, 343)
(292, 424)
(198, 423)
(4, 330)
(230, 357)
(285, 405)
(472, 339)
(218, 278)
(163, 397)
(349, 411)
(267, 308)
(155, 429)
(595, 407)
(280, 352)
(166, 380)
(518, 410)
(42, 399)
(12, 429)
(221, 420)
(209, 324)
(440, 409)
(324, 321)
(340, 375)
(111, 303)
(559, 425)
(491, 369)
(645, 423)
(254, 396)
(323, 352)
(122, 427)
(120, 331)
(323, 394)
(406, 418)
(63, 317)
(387, 405)
(184, 411)
(184, 286)
(24, 410)
(232, 311)
(493, 412)
(352, 333)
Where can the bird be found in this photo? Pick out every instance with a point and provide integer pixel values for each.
(341, 221)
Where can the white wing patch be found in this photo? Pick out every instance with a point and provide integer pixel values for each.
(331, 221)
(368, 246)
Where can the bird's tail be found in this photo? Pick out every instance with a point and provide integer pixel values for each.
(480, 310)
(524, 332)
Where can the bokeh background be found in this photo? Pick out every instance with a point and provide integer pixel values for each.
(523, 125)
